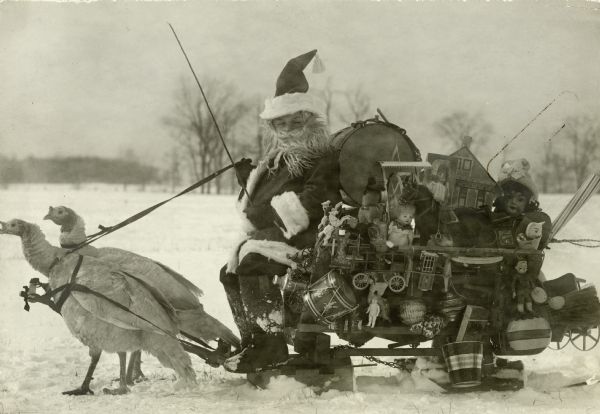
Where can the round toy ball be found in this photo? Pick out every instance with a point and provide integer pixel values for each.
(412, 311)
(539, 295)
(528, 336)
(557, 302)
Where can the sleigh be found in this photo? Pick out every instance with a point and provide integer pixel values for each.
(454, 304)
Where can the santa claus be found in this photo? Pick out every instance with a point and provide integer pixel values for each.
(281, 208)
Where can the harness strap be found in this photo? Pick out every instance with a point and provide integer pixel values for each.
(68, 287)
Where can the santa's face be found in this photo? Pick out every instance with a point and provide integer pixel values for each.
(516, 203)
(289, 125)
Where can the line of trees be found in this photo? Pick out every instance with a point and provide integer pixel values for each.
(76, 170)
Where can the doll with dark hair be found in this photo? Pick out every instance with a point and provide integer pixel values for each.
(513, 210)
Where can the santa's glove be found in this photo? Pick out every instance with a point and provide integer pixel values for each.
(242, 169)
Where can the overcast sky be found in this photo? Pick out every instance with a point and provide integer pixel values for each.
(97, 78)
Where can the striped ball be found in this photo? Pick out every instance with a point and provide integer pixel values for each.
(528, 336)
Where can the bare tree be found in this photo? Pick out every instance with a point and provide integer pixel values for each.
(259, 138)
(457, 125)
(583, 133)
(551, 174)
(358, 103)
(326, 95)
(195, 131)
(173, 172)
(559, 165)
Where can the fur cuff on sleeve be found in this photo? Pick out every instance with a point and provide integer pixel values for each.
(292, 213)
(274, 250)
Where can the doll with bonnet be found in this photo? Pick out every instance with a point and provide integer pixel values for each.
(400, 229)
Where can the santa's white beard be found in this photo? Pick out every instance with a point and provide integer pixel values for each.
(299, 148)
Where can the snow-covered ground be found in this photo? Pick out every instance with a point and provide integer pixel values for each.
(39, 358)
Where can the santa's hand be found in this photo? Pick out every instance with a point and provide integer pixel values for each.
(242, 169)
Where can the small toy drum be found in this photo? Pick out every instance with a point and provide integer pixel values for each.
(330, 298)
(464, 361)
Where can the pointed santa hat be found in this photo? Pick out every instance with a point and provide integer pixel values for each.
(291, 92)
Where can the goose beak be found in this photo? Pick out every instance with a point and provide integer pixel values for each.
(49, 215)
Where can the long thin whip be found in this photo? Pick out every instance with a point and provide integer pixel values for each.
(210, 112)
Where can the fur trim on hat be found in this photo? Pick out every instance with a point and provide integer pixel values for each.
(290, 103)
(291, 212)
(274, 250)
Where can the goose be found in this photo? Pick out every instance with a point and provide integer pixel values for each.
(109, 309)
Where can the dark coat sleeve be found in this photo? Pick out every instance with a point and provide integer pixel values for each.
(321, 184)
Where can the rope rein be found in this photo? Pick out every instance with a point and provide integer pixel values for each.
(579, 242)
(110, 229)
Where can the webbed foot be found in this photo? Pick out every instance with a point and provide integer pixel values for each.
(79, 391)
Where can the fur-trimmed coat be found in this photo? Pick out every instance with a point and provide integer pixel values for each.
(284, 211)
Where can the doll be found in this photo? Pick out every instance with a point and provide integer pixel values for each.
(522, 285)
(373, 310)
(400, 230)
(374, 293)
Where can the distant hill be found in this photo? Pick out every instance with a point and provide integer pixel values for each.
(76, 170)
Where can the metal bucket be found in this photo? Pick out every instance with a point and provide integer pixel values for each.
(464, 362)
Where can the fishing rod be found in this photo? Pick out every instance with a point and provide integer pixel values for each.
(487, 167)
(211, 115)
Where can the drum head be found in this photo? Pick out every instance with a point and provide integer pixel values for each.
(361, 148)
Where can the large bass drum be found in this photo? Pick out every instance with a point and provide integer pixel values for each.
(362, 145)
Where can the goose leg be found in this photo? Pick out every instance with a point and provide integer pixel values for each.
(122, 374)
(85, 387)
(134, 368)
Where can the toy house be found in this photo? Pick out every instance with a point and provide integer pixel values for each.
(466, 180)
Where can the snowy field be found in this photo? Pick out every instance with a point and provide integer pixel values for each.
(39, 359)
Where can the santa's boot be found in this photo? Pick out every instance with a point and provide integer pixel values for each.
(231, 284)
(263, 306)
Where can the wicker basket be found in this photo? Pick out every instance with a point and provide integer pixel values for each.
(412, 311)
